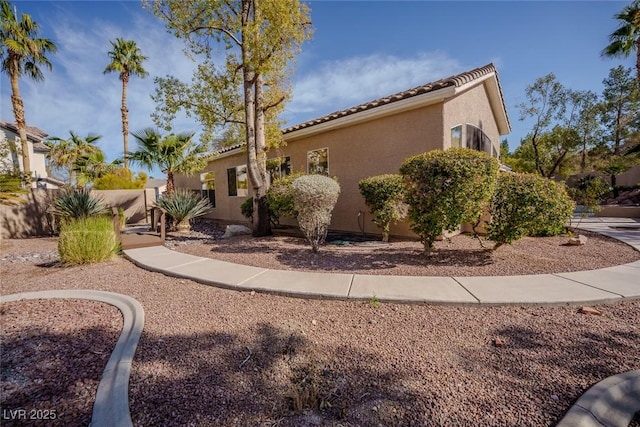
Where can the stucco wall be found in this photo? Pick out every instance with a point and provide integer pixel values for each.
(29, 218)
(471, 107)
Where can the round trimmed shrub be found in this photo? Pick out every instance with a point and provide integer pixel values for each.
(87, 240)
(446, 188)
(314, 197)
(384, 194)
(280, 197)
(527, 205)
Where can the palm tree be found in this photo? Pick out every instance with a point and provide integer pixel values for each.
(22, 52)
(171, 153)
(626, 38)
(127, 60)
(72, 154)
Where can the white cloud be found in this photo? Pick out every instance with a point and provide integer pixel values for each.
(337, 85)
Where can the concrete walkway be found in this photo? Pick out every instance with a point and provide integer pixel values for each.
(594, 286)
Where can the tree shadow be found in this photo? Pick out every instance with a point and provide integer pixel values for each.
(59, 372)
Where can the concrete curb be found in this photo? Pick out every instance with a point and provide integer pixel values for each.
(610, 403)
(111, 407)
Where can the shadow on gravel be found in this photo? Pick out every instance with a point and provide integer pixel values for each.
(52, 376)
(526, 353)
(354, 258)
(278, 378)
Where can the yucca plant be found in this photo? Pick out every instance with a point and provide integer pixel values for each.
(87, 240)
(182, 205)
(77, 203)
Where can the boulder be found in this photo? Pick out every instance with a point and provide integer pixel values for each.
(236, 230)
(577, 240)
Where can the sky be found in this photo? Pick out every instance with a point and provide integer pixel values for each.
(360, 51)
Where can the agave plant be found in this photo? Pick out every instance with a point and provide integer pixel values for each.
(77, 203)
(182, 205)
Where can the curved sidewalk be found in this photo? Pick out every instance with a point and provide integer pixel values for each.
(593, 286)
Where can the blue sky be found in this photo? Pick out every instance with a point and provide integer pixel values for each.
(361, 50)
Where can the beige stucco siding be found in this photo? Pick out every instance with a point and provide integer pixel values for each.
(470, 107)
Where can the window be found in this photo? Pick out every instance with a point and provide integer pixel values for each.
(456, 136)
(237, 181)
(278, 167)
(208, 190)
(318, 162)
(478, 140)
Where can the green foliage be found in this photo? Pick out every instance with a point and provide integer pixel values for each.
(589, 191)
(314, 197)
(76, 203)
(183, 205)
(246, 208)
(384, 194)
(527, 205)
(87, 240)
(120, 179)
(447, 188)
(280, 197)
(78, 156)
(11, 190)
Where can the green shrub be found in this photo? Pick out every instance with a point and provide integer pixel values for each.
(280, 197)
(447, 188)
(246, 208)
(120, 179)
(87, 240)
(527, 205)
(77, 203)
(384, 194)
(183, 205)
(11, 191)
(314, 197)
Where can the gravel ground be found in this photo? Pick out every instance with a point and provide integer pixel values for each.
(215, 357)
(462, 255)
(53, 356)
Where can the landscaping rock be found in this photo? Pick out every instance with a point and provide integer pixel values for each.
(498, 342)
(590, 310)
(236, 230)
(577, 240)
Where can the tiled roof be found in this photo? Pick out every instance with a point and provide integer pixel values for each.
(456, 81)
(33, 132)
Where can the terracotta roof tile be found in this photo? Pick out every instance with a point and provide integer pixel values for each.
(456, 81)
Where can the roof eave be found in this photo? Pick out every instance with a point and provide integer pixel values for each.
(496, 99)
(407, 104)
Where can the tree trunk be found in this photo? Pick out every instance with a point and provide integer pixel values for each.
(18, 112)
(171, 188)
(125, 121)
(262, 226)
(614, 185)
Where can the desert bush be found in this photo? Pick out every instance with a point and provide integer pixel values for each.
(246, 208)
(447, 188)
(120, 179)
(314, 197)
(183, 205)
(77, 203)
(527, 205)
(87, 240)
(384, 194)
(280, 197)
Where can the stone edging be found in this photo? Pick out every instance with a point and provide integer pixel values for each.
(611, 403)
(111, 407)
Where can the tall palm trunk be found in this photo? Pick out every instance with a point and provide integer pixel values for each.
(171, 187)
(125, 120)
(18, 111)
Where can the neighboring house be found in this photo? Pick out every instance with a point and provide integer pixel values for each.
(37, 154)
(466, 110)
(157, 185)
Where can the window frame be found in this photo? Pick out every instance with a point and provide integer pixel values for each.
(326, 149)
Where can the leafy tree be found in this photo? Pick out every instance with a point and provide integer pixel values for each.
(74, 154)
(626, 38)
(260, 38)
(126, 59)
(120, 179)
(447, 188)
(621, 121)
(22, 53)
(173, 153)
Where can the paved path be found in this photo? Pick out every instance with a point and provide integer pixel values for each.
(607, 284)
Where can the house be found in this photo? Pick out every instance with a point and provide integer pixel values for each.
(37, 154)
(159, 186)
(465, 110)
